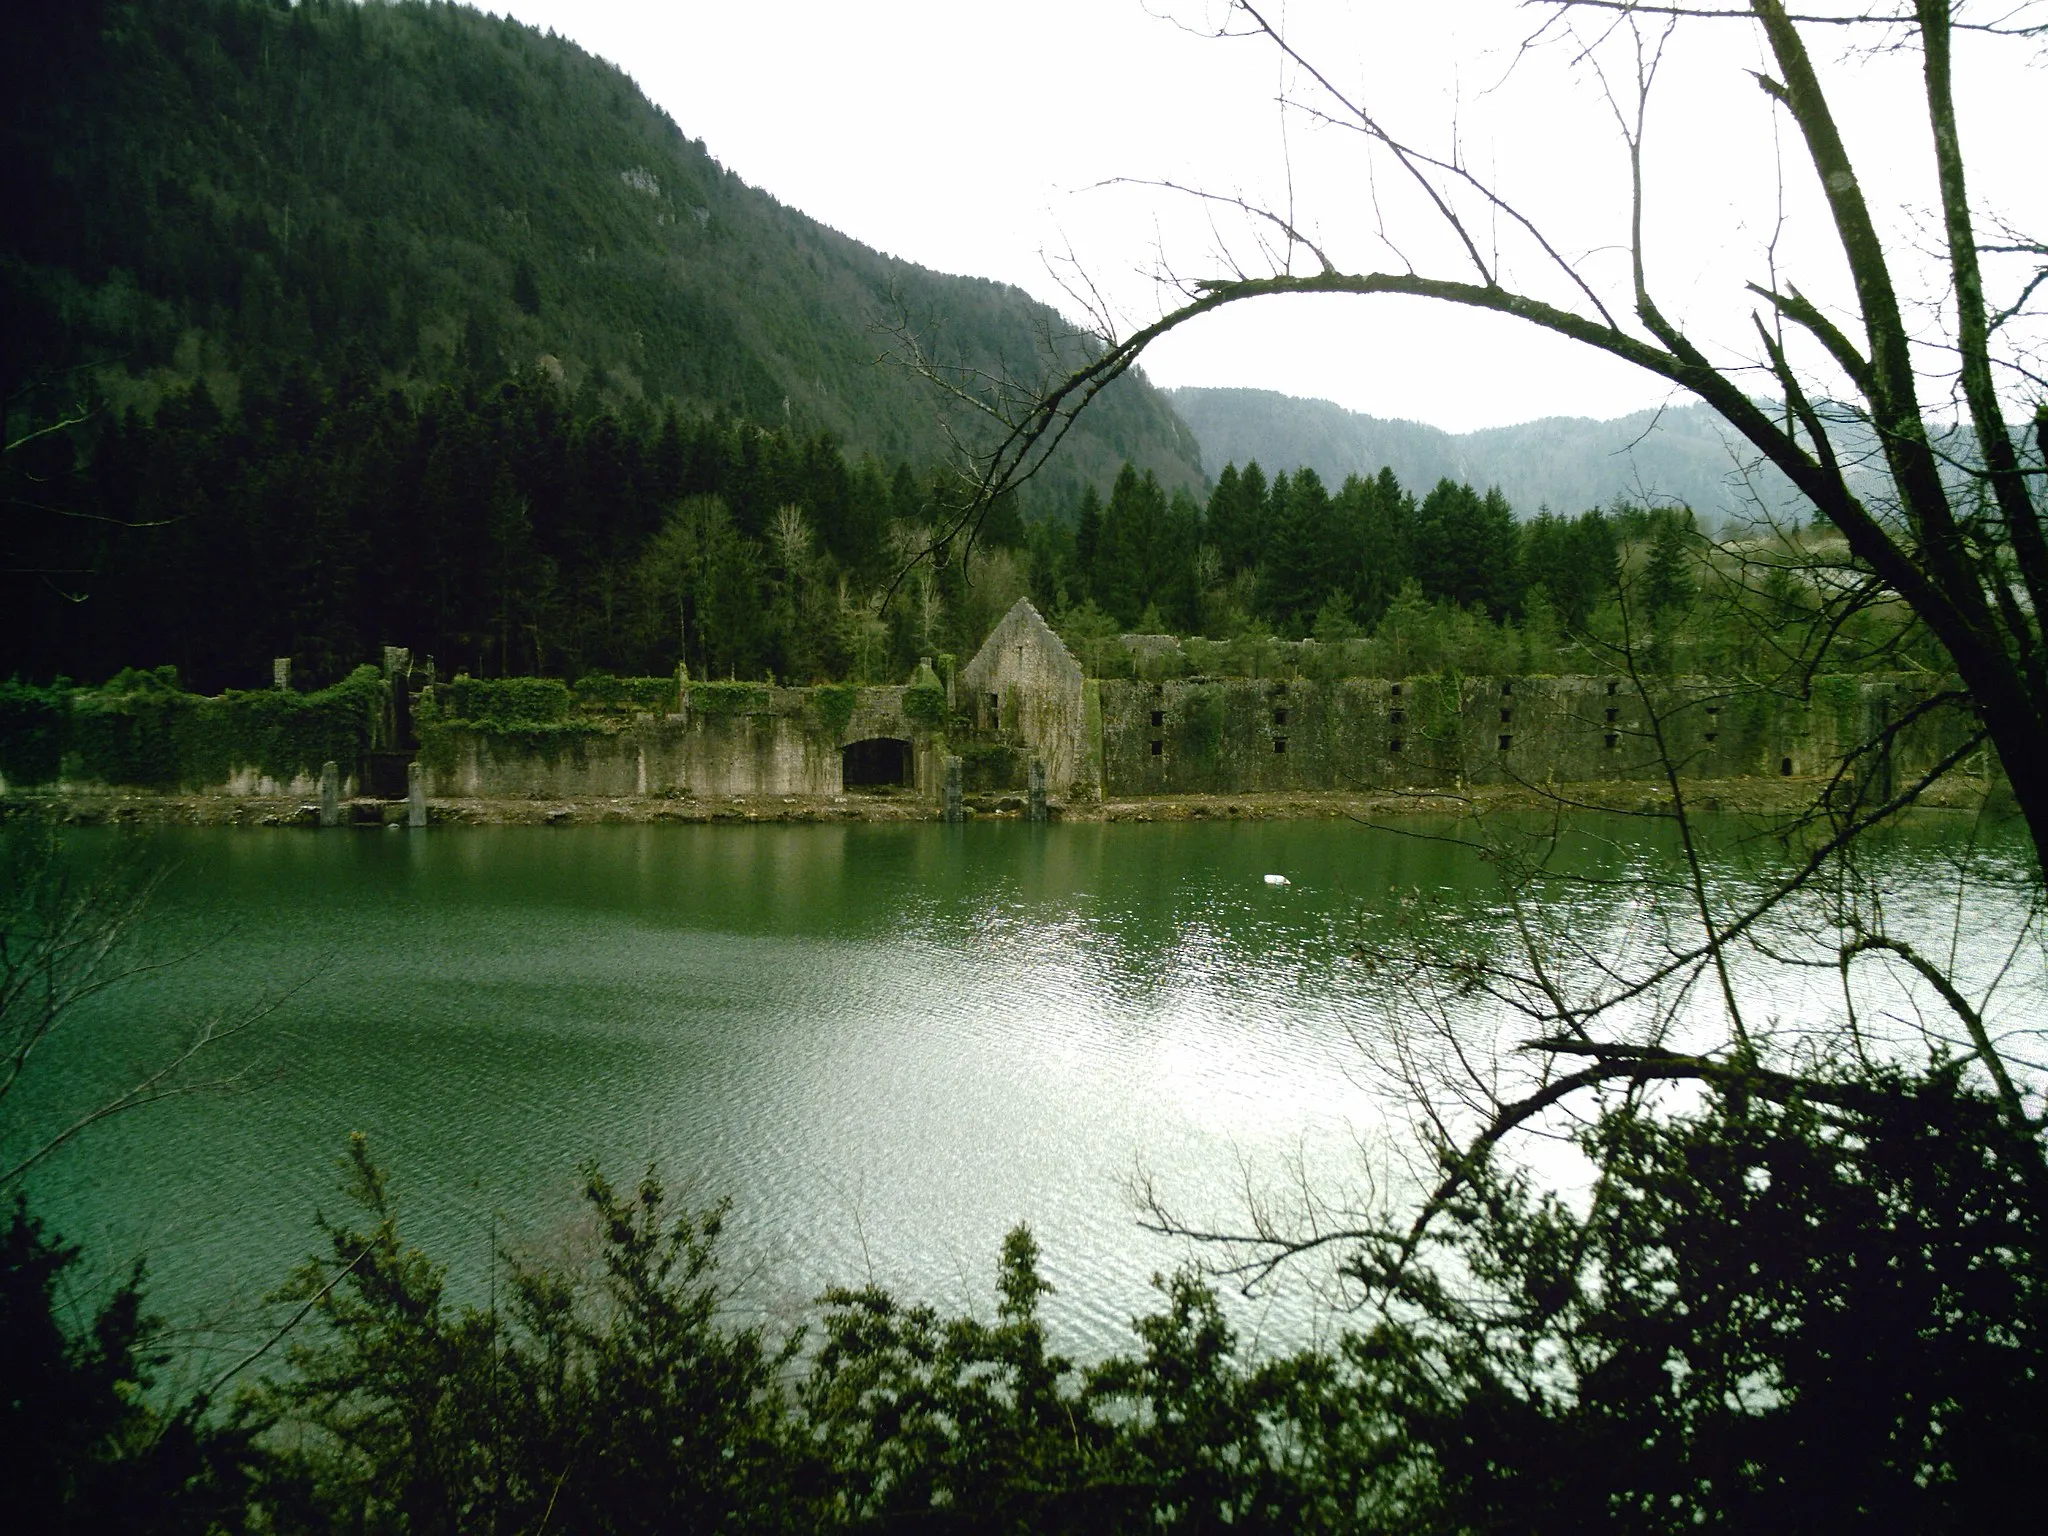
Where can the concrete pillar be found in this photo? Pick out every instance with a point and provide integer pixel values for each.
(415, 796)
(1034, 804)
(397, 662)
(1884, 751)
(281, 673)
(953, 810)
(330, 794)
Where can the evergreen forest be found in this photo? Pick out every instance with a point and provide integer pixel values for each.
(421, 196)
(333, 325)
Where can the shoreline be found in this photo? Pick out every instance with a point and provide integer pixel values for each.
(1710, 796)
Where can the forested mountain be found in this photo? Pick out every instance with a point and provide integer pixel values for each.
(422, 195)
(1567, 463)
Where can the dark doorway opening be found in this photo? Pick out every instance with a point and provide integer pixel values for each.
(881, 762)
(384, 774)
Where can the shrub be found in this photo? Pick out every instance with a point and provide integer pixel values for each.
(724, 699)
(601, 690)
(925, 706)
(834, 704)
(511, 701)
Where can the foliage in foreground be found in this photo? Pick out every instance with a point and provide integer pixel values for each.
(1814, 1315)
(81, 1446)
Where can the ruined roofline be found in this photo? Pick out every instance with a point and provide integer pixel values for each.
(1023, 624)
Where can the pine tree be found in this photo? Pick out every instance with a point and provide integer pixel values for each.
(1302, 551)
(1087, 544)
(1236, 518)
(1467, 549)
(1146, 553)
(1667, 576)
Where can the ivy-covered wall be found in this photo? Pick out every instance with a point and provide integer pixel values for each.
(141, 730)
(722, 739)
(1244, 735)
(627, 737)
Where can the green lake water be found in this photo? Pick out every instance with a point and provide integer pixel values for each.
(888, 1044)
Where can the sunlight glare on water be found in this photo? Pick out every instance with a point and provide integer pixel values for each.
(887, 1044)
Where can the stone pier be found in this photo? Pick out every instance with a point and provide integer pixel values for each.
(954, 810)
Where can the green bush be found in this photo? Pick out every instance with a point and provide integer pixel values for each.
(989, 767)
(925, 706)
(834, 704)
(514, 701)
(286, 734)
(133, 731)
(723, 699)
(601, 690)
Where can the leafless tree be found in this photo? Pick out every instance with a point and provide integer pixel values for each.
(1642, 992)
(66, 941)
(1949, 522)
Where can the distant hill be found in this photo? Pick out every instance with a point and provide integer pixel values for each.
(1568, 463)
(206, 188)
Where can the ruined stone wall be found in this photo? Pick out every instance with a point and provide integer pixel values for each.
(1022, 689)
(761, 741)
(1242, 735)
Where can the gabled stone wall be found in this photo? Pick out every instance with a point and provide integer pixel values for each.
(1023, 689)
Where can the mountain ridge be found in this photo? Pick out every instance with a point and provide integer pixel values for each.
(211, 188)
(1671, 455)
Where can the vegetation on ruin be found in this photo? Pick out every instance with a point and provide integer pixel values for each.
(1806, 1285)
(145, 730)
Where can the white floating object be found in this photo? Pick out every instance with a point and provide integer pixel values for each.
(1276, 880)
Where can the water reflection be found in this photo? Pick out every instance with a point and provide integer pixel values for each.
(888, 1043)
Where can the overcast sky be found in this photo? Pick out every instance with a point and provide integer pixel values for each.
(975, 137)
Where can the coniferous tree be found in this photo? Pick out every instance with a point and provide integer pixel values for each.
(1304, 551)
(1467, 549)
(1236, 518)
(1575, 560)
(1667, 575)
(1146, 552)
(1088, 545)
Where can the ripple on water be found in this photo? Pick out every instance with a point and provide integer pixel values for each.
(887, 1044)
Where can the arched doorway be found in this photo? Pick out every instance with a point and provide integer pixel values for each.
(880, 762)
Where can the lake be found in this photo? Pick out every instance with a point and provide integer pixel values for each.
(888, 1044)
